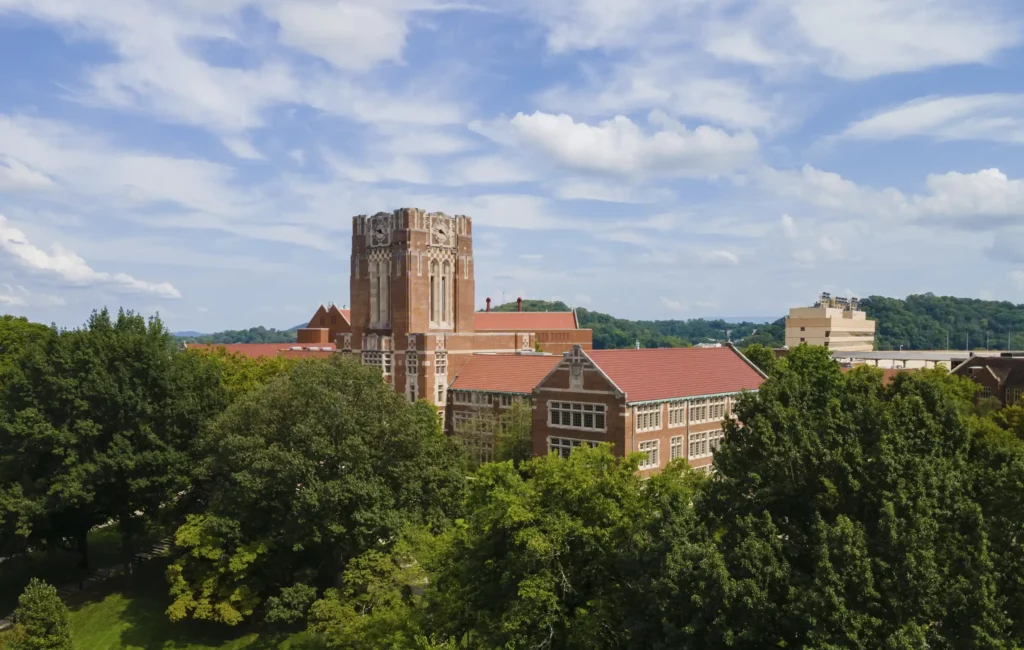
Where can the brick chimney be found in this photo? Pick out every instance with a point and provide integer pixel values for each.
(519, 304)
(488, 304)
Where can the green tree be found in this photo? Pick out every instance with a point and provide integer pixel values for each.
(560, 553)
(515, 433)
(762, 357)
(304, 474)
(845, 517)
(25, 462)
(379, 602)
(41, 620)
(98, 425)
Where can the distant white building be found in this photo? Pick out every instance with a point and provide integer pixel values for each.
(835, 323)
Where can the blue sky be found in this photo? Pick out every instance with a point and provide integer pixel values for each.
(650, 159)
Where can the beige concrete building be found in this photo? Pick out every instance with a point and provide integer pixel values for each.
(835, 323)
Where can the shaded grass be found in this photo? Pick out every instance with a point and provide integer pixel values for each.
(59, 567)
(132, 615)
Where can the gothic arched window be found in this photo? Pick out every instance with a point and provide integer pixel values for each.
(383, 299)
(446, 274)
(434, 272)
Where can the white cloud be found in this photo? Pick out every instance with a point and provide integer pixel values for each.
(986, 192)
(673, 304)
(242, 148)
(82, 164)
(868, 38)
(348, 35)
(830, 246)
(719, 257)
(671, 84)
(1017, 277)
(16, 176)
(619, 146)
(69, 268)
(594, 190)
(993, 117)
(485, 170)
(157, 69)
(788, 226)
(829, 190)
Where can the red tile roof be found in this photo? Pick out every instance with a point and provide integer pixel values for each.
(504, 373)
(523, 321)
(258, 350)
(346, 314)
(666, 373)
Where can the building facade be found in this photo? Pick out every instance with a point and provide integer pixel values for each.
(1001, 377)
(412, 312)
(832, 322)
(667, 404)
(484, 389)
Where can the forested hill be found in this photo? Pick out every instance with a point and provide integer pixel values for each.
(921, 322)
(251, 335)
(611, 332)
(918, 322)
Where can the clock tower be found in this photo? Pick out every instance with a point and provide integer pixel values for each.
(411, 288)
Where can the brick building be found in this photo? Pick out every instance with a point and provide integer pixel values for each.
(413, 312)
(665, 403)
(1001, 377)
(485, 386)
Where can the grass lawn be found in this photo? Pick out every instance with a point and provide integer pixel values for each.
(59, 567)
(132, 616)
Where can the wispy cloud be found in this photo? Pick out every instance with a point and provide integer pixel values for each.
(67, 268)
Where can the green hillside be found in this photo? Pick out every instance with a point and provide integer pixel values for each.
(923, 322)
(917, 322)
(611, 332)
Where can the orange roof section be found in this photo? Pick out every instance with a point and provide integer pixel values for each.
(504, 373)
(667, 373)
(523, 321)
(262, 350)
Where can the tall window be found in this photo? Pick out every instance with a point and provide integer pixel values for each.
(446, 274)
(649, 448)
(383, 299)
(677, 414)
(675, 448)
(434, 272)
(1015, 395)
(648, 417)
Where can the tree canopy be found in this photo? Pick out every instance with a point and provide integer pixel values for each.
(315, 468)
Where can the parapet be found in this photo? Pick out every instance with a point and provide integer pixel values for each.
(412, 219)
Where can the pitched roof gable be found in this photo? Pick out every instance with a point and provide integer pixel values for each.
(523, 321)
(669, 373)
(263, 350)
(504, 373)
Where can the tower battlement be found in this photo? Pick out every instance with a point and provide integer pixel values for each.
(413, 219)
